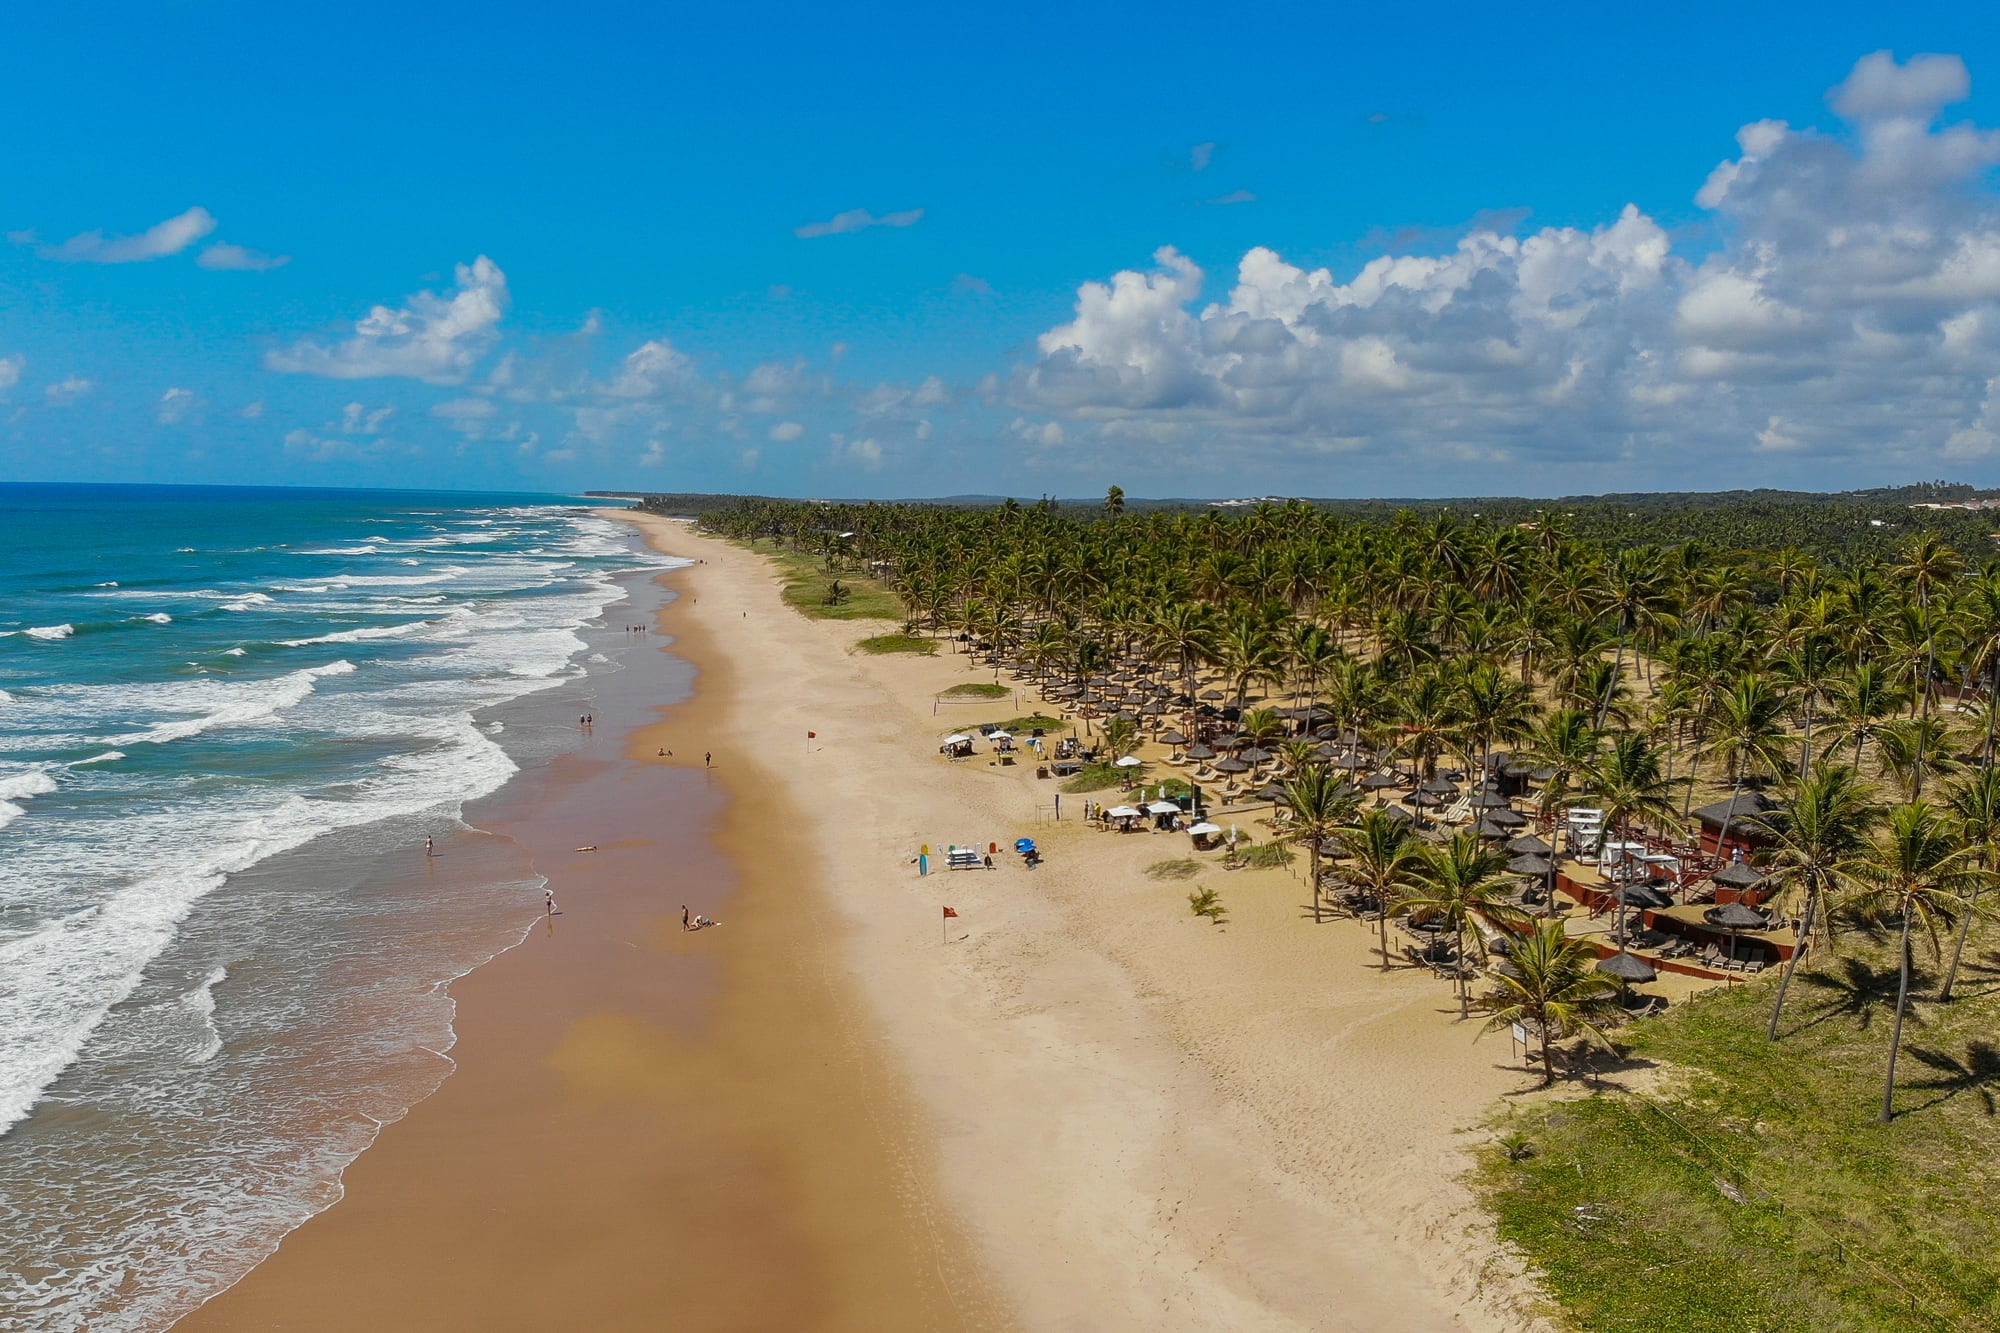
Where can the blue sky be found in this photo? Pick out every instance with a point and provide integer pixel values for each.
(1398, 263)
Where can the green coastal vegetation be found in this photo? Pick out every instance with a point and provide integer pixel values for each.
(898, 643)
(975, 689)
(1812, 1149)
(825, 587)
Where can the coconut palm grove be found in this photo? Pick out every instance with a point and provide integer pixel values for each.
(1751, 737)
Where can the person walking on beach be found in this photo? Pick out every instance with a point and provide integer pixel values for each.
(708, 761)
(428, 846)
(687, 922)
(549, 898)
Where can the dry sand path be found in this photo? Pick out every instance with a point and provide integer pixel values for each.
(1143, 1121)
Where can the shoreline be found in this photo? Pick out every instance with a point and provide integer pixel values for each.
(1144, 1121)
(641, 1122)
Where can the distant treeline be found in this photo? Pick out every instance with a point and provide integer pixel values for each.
(1843, 528)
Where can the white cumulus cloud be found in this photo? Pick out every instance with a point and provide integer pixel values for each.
(223, 255)
(66, 391)
(1843, 301)
(174, 405)
(428, 337)
(787, 431)
(857, 219)
(158, 241)
(10, 372)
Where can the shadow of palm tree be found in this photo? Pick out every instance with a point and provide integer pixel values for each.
(1978, 1073)
(1852, 989)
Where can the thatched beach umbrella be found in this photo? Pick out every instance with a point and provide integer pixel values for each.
(1627, 967)
(1172, 738)
(1438, 787)
(1736, 875)
(1643, 895)
(1255, 754)
(1539, 866)
(1507, 819)
(1529, 846)
(1734, 917)
(1231, 766)
(1488, 799)
(1200, 751)
(1381, 781)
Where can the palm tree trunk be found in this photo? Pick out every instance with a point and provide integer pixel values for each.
(1805, 749)
(1896, 1032)
(1382, 924)
(1958, 945)
(1792, 963)
(1548, 1067)
(1617, 666)
(1923, 720)
(1312, 861)
(1992, 699)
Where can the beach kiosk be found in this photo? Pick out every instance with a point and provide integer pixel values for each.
(956, 747)
(1205, 835)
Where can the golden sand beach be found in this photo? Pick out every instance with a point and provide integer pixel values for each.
(1081, 1107)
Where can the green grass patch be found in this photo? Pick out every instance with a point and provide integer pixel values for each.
(1264, 855)
(976, 689)
(1174, 868)
(808, 583)
(899, 643)
(1757, 1190)
(1022, 726)
(1094, 777)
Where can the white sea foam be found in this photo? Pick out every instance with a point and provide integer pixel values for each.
(17, 786)
(248, 601)
(200, 1002)
(159, 618)
(444, 575)
(360, 635)
(108, 757)
(50, 631)
(234, 652)
(245, 702)
(343, 550)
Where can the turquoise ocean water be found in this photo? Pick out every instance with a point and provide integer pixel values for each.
(217, 708)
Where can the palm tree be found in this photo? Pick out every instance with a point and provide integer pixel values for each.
(1492, 707)
(1383, 852)
(1975, 803)
(1461, 883)
(1927, 566)
(1919, 875)
(1748, 734)
(1320, 805)
(1552, 982)
(1812, 842)
(1636, 595)
(1121, 736)
(1862, 703)
(1567, 746)
(1630, 782)
(1424, 713)
(1909, 749)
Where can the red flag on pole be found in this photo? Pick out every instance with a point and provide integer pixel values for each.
(949, 912)
(811, 735)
